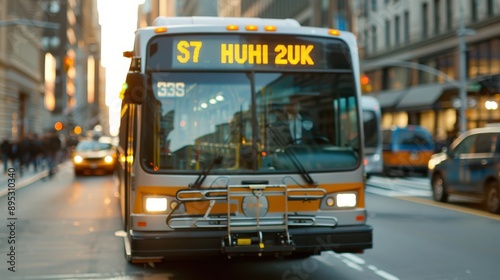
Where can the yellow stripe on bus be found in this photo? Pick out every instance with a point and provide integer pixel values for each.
(275, 202)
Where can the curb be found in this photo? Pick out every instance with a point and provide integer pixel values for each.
(25, 182)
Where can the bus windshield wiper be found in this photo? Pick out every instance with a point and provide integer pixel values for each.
(217, 159)
(201, 177)
(293, 157)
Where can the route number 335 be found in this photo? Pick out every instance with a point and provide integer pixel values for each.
(170, 89)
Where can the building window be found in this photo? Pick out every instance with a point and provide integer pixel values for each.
(445, 64)
(495, 56)
(366, 37)
(491, 7)
(425, 77)
(484, 59)
(407, 26)
(396, 31)
(374, 38)
(365, 8)
(472, 61)
(425, 19)
(387, 33)
(396, 77)
(375, 78)
(473, 9)
(437, 15)
(449, 14)
(374, 5)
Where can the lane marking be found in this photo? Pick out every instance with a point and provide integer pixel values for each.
(425, 197)
(355, 262)
(386, 275)
(451, 207)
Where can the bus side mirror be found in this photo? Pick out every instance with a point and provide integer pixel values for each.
(135, 88)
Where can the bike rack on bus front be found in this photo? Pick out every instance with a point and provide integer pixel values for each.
(261, 222)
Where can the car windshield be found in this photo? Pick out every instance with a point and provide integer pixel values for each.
(411, 137)
(87, 146)
(205, 116)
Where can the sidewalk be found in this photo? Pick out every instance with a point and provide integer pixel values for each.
(29, 177)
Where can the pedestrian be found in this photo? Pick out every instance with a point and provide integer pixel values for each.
(24, 154)
(5, 149)
(36, 151)
(54, 145)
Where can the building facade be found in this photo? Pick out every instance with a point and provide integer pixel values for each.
(411, 56)
(21, 64)
(321, 13)
(45, 46)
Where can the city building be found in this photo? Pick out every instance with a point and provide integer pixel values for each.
(79, 86)
(319, 13)
(21, 68)
(411, 55)
(151, 9)
(49, 66)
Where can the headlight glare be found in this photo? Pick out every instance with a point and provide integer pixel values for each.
(108, 159)
(77, 159)
(346, 199)
(156, 204)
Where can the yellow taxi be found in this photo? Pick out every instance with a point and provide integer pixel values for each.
(94, 156)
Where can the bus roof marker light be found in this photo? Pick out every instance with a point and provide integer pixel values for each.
(270, 28)
(160, 30)
(232, 27)
(334, 32)
(251, 28)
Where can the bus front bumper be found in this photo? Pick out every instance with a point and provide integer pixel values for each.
(204, 243)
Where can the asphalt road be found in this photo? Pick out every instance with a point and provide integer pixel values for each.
(65, 229)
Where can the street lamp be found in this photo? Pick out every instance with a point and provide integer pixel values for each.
(462, 48)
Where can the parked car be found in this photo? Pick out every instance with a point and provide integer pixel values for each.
(470, 166)
(406, 150)
(93, 156)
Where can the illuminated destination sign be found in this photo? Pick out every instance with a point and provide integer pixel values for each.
(189, 53)
(247, 52)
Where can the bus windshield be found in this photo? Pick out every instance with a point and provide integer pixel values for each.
(203, 116)
(250, 103)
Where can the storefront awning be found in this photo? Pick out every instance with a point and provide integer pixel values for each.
(420, 97)
(389, 98)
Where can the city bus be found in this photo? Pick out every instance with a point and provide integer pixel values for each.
(207, 162)
(372, 126)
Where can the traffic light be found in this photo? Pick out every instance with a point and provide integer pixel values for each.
(77, 130)
(58, 126)
(68, 63)
(365, 84)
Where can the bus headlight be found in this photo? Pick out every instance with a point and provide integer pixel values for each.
(330, 201)
(346, 199)
(156, 204)
(334, 201)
